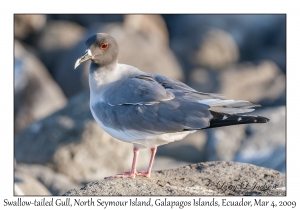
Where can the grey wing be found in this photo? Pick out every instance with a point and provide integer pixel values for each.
(142, 103)
(164, 117)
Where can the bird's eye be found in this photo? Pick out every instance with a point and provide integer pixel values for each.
(104, 46)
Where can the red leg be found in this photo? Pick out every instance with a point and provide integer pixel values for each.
(148, 172)
(132, 173)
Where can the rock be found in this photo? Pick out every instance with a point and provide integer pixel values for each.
(217, 50)
(251, 33)
(260, 36)
(164, 163)
(56, 183)
(152, 26)
(25, 25)
(87, 20)
(263, 84)
(72, 143)
(57, 46)
(224, 142)
(273, 54)
(27, 185)
(259, 144)
(59, 35)
(204, 80)
(266, 145)
(188, 150)
(95, 156)
(36, 94)
(209, 178)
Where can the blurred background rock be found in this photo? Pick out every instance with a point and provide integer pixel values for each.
(58, 146)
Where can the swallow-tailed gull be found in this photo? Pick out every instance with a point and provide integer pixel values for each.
(149, 110)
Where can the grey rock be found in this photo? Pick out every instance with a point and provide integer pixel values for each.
(26, 24)
(95, 156)
(28, 185)
(56, 183)
(58, 47)
(88, 19)
(164, 163)
(262, 83)
(72, 143)
(258, 144)
(188, 150)
(59, 35)
(36, 94)
(217, 50)
(152, 26)
(209, 178)
(266, 145)
(204, 80)
(252, 33)
(223, 143)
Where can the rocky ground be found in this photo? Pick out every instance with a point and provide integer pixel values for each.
(209, 178)
(58, 146)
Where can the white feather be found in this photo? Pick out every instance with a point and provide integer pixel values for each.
(229, 106)
(230, 110)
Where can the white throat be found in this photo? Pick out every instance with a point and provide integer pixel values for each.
(100, 78)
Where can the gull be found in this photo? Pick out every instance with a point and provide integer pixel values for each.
(149, 110)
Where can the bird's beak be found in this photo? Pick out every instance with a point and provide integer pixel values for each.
(87, 56)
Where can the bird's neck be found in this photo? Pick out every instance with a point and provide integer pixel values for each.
(100, 76)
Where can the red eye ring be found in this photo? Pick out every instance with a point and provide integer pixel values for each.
(103, 46)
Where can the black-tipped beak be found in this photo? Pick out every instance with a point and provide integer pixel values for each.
(87, 56)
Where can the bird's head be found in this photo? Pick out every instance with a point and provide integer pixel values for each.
(102, 49)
